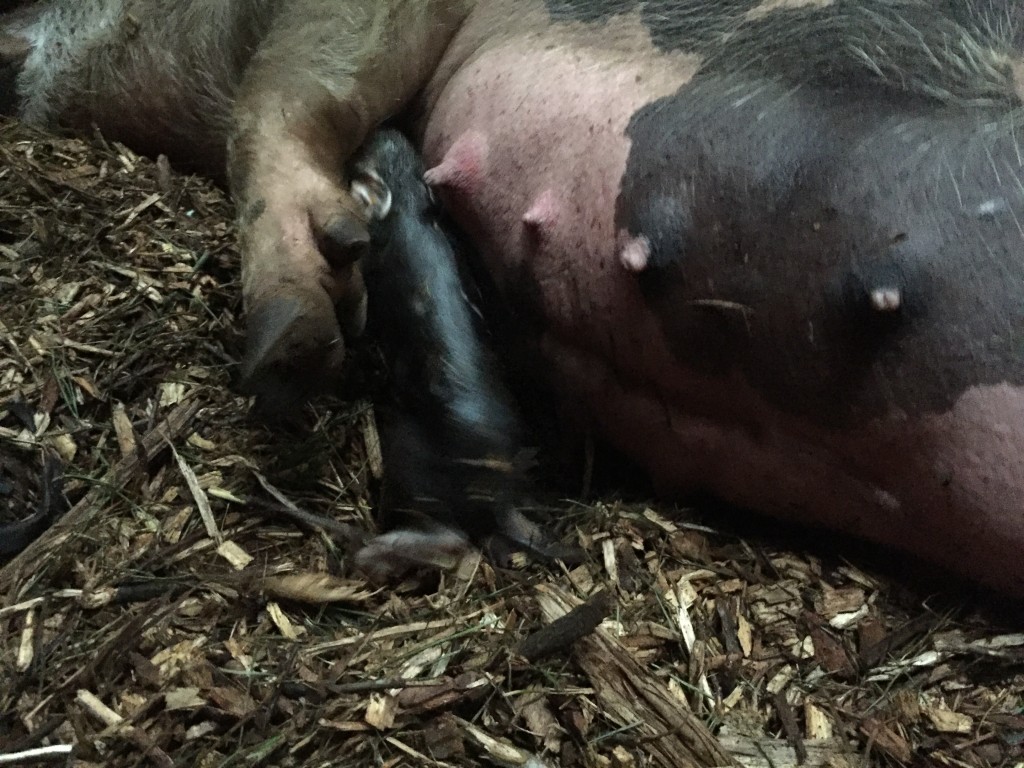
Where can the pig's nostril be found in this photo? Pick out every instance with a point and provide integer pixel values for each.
(343, 241)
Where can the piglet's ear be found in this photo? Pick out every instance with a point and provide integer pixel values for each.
(369, 190)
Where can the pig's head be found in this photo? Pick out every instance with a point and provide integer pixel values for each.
(296, 332)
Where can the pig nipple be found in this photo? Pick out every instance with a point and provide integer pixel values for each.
(543, 214)
(886, 299)
(463, 167)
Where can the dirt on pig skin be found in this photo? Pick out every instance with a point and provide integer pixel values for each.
(768, 249)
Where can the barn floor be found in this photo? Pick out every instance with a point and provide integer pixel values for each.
(175, 616)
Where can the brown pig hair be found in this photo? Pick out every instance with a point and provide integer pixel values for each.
(959, 52)
(87, 61)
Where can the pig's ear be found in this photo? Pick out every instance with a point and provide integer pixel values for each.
(369, 190)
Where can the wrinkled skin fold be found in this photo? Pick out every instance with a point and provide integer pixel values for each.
(770, 250)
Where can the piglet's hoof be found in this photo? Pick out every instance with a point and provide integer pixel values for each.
(389, 556)
(435, 546)
(294, 351)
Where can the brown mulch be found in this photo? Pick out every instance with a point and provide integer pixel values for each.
(175, 615)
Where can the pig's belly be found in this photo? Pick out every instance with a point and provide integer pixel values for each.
(529, 149)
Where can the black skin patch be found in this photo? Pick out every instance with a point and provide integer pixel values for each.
(935, 48)
(798, 204)
(833, 205)
(690, 25)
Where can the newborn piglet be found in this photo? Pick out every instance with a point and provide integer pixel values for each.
(450, 435)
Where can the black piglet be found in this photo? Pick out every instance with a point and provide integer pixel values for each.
(449, 431)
